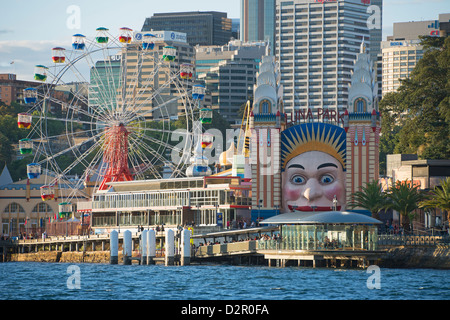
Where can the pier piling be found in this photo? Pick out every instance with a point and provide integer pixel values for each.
(114, 247)
(127, 247)
(170, 248)
(144, 241)
(185, 247)
(151, 247)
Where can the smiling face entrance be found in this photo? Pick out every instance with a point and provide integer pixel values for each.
(313, 165)
(311, 181)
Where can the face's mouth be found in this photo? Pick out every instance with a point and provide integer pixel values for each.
(312, 208)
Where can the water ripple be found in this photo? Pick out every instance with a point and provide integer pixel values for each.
(49, 281)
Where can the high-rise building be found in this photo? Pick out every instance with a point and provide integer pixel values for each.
(399, 60)
(229, 73)
(317, 43)
(402, 50)
(258, 21)
(153, 82)
(202, 28)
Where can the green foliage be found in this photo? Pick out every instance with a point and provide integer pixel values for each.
(370, 197)
(405, 197)
(439, 197)
(416, 118)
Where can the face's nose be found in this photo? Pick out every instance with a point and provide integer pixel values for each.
(313, 190)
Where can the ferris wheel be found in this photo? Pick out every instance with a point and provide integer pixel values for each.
(106, 110)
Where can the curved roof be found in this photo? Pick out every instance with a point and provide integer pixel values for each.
(328, 217)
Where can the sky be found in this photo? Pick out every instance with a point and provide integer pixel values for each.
(30, 28)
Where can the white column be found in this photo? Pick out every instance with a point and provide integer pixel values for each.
(127, 247)
(114, 247)
(151, 246)
(185, 247)
(144, 241)
(170, 248)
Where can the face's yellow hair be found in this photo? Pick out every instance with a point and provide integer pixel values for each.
(306, 137)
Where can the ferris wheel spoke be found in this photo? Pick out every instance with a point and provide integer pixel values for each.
(77, 161)
(71, 148)
(139, 152)
(141, 164)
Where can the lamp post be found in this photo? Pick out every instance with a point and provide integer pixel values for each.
(259, 211)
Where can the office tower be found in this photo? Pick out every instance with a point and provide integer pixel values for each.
(399, 60)
(236, 29)
(104, 83)
(229, 73)
(202, 28)
(153, 83)
(258, 21)
(402, 50)
(317, 43)
(376, 36)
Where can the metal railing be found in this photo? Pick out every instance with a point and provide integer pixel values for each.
(412, 240)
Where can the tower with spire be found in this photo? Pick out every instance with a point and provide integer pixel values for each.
(362, 124)
(266, 121)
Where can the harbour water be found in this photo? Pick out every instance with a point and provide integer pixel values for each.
(60, 281)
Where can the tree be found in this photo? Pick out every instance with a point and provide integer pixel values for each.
(418, 113)
(370, 197)
(405, 197)
(439, 198)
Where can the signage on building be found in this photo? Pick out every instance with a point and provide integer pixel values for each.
(162, 36)
(319, 115)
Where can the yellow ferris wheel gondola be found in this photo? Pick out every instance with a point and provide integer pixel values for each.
(126, 35)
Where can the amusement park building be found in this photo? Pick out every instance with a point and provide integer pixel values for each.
(201, 201)
(22, 208)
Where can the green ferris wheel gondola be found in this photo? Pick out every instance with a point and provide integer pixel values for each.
(206, 115)
(102, 36)
(169, 53)
(26, 146)
(64, 209)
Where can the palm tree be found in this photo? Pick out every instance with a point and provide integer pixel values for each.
(405, 198)
(370, 197)
(439, 198)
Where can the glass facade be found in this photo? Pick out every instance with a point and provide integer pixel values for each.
(320, 237)
(258, 21)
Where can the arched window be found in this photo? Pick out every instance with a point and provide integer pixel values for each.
(14, 208)
(42, 208)
(265, 106)
(360, 105)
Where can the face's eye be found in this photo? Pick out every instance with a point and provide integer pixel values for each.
(326, 179)
(298, 179)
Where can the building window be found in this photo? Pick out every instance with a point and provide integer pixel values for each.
(265, 106)
(360, 105)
